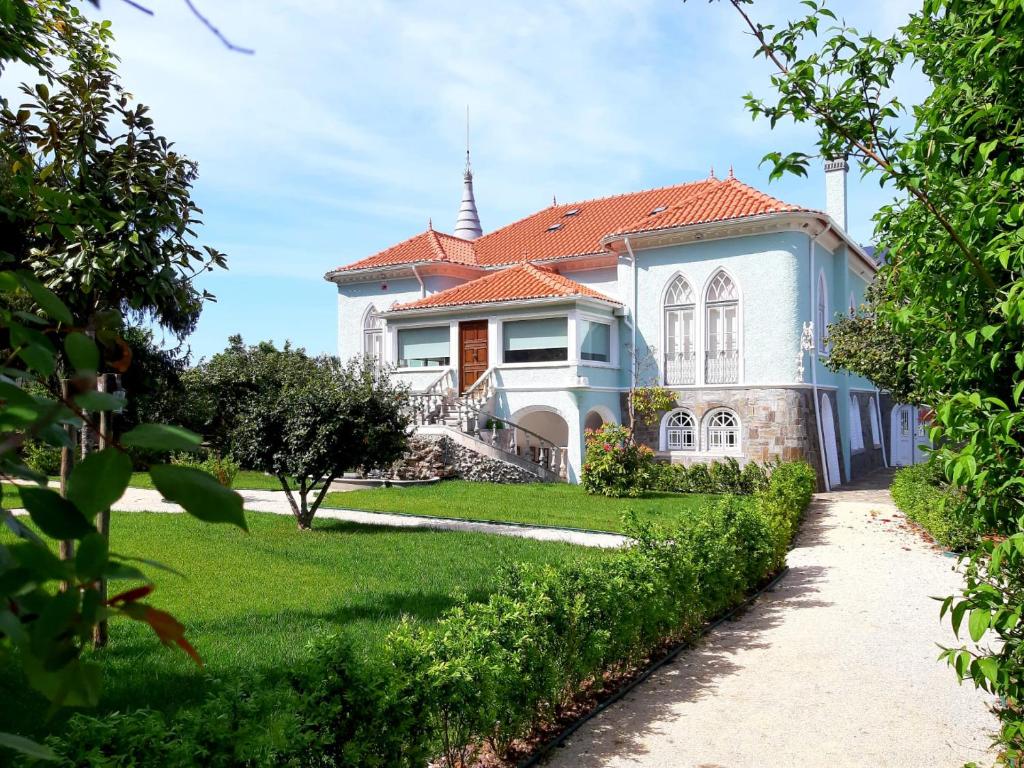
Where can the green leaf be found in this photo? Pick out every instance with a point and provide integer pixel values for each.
(91, 557)
(989, 667)
(978, 623)
(199, 493)
(26, 746)
(57, 517)
(99, 480)
(161, 437)
(98, 401)
(37, 558)
(82, 352)
(47, 300)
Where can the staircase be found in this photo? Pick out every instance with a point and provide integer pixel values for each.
(471, 419)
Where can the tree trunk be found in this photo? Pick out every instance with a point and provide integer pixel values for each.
(100, 631)
(67, 462)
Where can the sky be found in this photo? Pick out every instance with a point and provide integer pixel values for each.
(345, 130)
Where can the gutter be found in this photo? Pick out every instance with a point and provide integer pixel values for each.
(811, 242)
(463, 308)
(423, 288)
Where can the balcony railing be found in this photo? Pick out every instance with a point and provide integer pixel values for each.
(722, 367)
(680, 368)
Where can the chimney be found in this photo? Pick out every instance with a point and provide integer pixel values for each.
(835, 190)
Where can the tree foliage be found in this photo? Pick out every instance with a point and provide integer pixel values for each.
(954, 290)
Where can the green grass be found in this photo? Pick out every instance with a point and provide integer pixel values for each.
(535, 503)
(246, 480)
(251, 601)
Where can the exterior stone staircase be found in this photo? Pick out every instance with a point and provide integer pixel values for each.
(469, 419)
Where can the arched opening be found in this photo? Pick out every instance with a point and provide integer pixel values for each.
(828, 435)
(593, 421)
(821, 313)
(722, 331)
(722, 431)
(680, 341)
(679, 431)
(373, 334)
(542, 436)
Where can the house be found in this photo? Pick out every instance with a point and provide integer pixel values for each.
(520, 339)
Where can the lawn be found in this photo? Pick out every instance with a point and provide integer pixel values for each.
(246, 480)
(536, 503)
(251, 601)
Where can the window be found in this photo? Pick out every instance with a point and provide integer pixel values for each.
(722, 362)
(821, 317)
(853, 304)
(680, 432)
(373, 334)
(535, 341)
(723, 431)
(876, 424)
(680, 365)
(424, 347)
(597, 341)
(856, 428)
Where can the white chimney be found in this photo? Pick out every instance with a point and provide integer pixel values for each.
(835, 190)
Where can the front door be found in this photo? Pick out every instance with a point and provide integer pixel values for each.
(903, 437)
(472, 352)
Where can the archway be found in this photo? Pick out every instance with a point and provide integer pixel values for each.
(828, 433)
(594, 420)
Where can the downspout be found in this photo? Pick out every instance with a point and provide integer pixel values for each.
(423, 288)
(814, 359)
(633, 352)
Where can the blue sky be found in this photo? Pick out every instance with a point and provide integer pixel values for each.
(345, 131)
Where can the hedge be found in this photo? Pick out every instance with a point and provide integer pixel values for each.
(487, 673)
(923, 496)
(715, 477)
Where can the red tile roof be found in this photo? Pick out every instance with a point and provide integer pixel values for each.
(557, 232)
(523, 281)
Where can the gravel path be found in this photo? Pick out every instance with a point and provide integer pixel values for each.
(836, 667)
(144, 500)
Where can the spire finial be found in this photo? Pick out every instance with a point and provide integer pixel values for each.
(731, 174)
(467, 225)
(711, 174)
(554, 200)
(430, 224)
(469, 171)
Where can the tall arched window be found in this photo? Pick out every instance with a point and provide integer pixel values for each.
(680, 361)
(856, 426)
(722, 431)
(876, 425)
(722, 354)
(680, 432)
(373, 334)
(821, 313)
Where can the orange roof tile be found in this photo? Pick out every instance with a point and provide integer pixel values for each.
(577, 229)
(523, 281)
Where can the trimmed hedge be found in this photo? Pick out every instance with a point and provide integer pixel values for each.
(716, 477)
(487, 673)
(923, 496)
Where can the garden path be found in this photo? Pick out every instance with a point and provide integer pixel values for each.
(835, 666)
(146, 500)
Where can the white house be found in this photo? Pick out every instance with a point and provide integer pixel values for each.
(527, 335)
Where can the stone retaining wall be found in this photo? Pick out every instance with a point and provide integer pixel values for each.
(439, 456)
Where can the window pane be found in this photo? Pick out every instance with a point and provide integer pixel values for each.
(536, 341)
(596, 343)
(420, 347)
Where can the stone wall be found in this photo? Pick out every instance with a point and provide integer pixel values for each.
(432, 456)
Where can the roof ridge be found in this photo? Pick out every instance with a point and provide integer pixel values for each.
(436, 246)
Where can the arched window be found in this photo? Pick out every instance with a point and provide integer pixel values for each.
(876, 424)
(680, 432)
(680, 358)
(853, 304)
(821, 313)
(373, 334)
(722, 354)
(722, 431)
(856, 427)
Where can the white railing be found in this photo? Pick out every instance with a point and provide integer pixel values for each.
(481, 389)
(429, 405)
(533, 447)
(680, 368)
(722, 367)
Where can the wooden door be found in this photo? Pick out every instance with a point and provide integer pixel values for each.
(472, 352)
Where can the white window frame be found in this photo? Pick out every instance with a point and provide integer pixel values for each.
(572, 342)
(670, 430)
(613, 339)
(706, 307)
(711, 438)
(373, 335)
(821, 313)
(856, 427)
(876, 424)
(671, 303)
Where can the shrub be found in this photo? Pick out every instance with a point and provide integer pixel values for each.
(41, 457)
(223, 468)
(923, 496)
(486, 673)
(725, 475)
(616, 466)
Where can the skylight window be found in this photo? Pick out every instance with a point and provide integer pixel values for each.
(659, 209)
(573, 212)
(553, 227)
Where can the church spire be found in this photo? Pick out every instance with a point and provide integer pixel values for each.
(467, 225)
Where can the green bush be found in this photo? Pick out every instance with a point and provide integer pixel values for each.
(614, 465)
(486, 673)
(716, 477)
(223, 468)
(41, 457)
(923, 496)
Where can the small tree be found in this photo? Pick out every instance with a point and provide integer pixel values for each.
(337, 418)
(645, 399)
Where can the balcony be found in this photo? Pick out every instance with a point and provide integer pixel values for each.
(722, 367)
(680, 369)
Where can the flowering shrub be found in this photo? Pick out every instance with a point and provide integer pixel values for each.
(614, 465)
